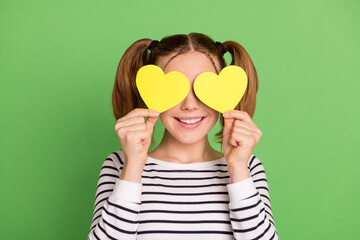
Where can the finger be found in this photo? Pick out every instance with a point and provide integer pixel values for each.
(139, 136)
(129, 122)
(242, 139)
(241, 115)
(254, 134)
(150, 122)
(228, 124)
(240, 123)
(133, 127)
(139, 112)
(251, 127)
(247, 132)
(243, 130)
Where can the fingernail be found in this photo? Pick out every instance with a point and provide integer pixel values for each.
(156, 113)
(225, 114)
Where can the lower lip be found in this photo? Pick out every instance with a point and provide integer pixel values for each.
(190, 126)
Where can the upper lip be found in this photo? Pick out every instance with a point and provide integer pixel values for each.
(190, 118)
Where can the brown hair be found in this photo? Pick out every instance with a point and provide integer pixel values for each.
(125, 96)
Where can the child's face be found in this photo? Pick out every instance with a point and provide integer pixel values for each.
(191, 64)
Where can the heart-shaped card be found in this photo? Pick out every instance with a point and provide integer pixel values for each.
(224, 91)
(161, 91)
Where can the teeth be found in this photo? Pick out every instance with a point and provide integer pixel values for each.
(190, 121)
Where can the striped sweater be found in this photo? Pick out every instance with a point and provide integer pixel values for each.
(182, 201)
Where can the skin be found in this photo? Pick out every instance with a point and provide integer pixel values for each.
(181, 145)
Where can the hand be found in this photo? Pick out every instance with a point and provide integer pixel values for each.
(240, 136)
(135, 134)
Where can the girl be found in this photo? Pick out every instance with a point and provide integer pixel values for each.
(184, 189)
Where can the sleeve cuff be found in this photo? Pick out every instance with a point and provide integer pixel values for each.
(126, 190)
(241, 190)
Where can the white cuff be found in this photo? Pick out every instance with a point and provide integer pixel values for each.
(126, 190)
(241, 190)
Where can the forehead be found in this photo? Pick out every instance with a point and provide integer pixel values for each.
(191, 63)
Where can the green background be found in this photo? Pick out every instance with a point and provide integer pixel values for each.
(58, 62)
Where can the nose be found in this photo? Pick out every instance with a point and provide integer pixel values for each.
(191, 102)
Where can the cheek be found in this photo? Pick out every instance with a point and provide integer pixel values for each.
(215, 117)
(165, 118)
(162, 117)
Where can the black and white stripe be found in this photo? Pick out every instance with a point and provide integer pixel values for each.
(182, 201)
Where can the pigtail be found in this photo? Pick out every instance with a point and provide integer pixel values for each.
(125, 95)
(241, 58)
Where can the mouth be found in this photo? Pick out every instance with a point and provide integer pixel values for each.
(190, 122)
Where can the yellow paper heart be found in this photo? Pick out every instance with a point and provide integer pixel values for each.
(161, 91)
(224, 91)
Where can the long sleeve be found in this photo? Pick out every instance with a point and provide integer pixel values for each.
(117, 204)
(250, 210)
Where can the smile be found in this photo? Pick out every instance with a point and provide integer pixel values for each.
(190, 123)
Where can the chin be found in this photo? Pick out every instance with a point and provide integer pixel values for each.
(190, 138)
(189, 142)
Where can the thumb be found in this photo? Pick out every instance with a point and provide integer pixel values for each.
(150, 123)
(228, 123)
